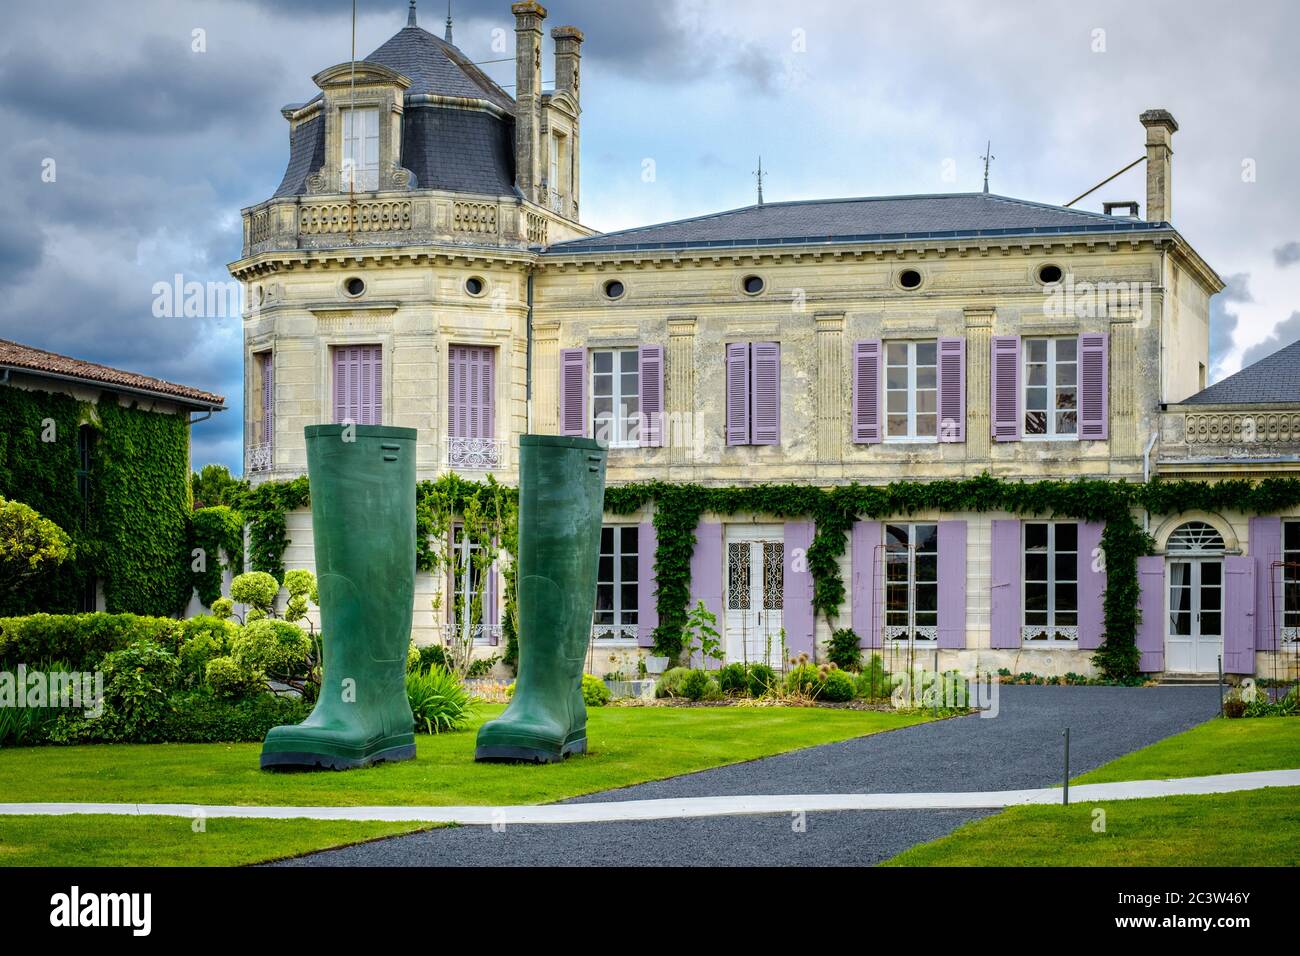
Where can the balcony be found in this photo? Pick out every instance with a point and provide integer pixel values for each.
(475, 454)
(614, 633)
(259, 458)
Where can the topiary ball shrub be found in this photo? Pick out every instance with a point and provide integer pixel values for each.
(203, 639)
(279, 649)
(761, 680)
(670, 682)
(257, 589)
(699, 685)
(228, 679)
(594, 691)
(732, 679)
(836, 686)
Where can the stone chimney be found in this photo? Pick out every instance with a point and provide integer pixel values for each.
(1160, 126)
(528, 97)
(568, 59)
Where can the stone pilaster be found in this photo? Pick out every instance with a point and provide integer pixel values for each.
(979, 331)
(1122, 380)
(679, 381)
(831, 410)
(528, 96)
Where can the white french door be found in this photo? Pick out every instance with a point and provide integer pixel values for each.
(754, 594)
(1194, 623)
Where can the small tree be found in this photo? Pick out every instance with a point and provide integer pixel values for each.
(30, 546)
(701, 635)
(214, 485)
(258, 590)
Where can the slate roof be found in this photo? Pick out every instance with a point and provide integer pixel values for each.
(445, 148)
(28, 359)
(435, 66)
(1271, 380)
(865, 219)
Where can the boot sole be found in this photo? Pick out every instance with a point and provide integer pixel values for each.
(508, 754)
(290, 761)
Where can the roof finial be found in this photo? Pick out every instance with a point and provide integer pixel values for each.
(987, 157)
(759, 175)
(448, 36)
(410, 16)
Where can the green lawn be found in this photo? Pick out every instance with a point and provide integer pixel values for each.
(627, 745)
(163, 841)
(1253, 828)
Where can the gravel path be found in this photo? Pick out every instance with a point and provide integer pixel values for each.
(1020, 748)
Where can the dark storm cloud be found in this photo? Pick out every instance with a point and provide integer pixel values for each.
(160, 88)
(1223, 320)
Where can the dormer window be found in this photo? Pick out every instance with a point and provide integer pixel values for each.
(360, 162)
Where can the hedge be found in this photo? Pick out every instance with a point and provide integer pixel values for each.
(80, 640)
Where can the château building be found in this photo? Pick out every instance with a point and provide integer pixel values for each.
(423, 264)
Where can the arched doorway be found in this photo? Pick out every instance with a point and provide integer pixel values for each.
(1194, 599)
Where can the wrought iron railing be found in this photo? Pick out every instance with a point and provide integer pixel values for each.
(476, 454)
(614, 632)
(259, 458)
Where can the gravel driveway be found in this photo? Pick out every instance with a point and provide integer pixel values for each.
(1019, 748)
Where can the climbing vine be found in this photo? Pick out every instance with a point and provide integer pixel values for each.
(218, 532)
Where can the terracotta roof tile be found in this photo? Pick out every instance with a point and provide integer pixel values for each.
(14, 355)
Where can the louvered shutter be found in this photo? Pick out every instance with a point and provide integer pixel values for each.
(765, 394)
(866, 392)
(738, 393)
(952, 390)
(1094, 398)
(651, 361)
(573, 392)
(1004, 379)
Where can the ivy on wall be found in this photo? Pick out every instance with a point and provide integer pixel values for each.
(679, 507)
(217, 531)
(134, 531)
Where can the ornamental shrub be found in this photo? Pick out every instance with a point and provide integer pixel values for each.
(439, 701)
(201, 640)
(761, 680)
(874, 682)
(843, 650)
(733, 679)
(699, 685)
(594, 691)
(228, 679)
(81, 640)
(670, 682)
(222, 608)
(199, 718)
(836, 686)
(31, 547)
(257, 589)
(803, 679)
(138, 680)
(279, 649)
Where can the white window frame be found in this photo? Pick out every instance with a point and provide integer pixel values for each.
(626, 432)
(1057, 634)
(1052, 389)
(367, 173)
(1289, 633)
(617, 612)
(923, 635)
(911, 390)
(462, 582)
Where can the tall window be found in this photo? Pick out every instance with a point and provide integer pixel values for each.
(1051, 577)
(359, 384)
(471, 387)
(1052, 387)
(911, 390)
(467, 587)
(911, 582)
(616, 397)
(360, 165)
(616, 584)
(1291, 580)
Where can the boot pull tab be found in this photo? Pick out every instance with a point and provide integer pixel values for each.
(390, 452)
(594, 461)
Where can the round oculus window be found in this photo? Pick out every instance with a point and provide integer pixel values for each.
(614, 289)
(354, 287)
(474, 286)
(909, 279)
(1049, 275)
(753, 285)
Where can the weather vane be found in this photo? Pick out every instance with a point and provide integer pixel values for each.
(758, 173)
(987, 157)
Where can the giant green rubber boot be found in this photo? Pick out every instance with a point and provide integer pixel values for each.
(561, 501)
(363, 523)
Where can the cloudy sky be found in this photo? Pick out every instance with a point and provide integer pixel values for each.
(155, 147)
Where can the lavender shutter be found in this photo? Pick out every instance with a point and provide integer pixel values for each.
(374, 413)
(1265, 544)
(651, 361)
(268, 402)
(573, 392)
(1005, 613)
(866, 578)
(797, 616)
(1004, 376)
(765, 358)
(866, 392)
(487, 394)
(1151, 604)
(952, 390)
(706, 571)
(1092, 587)
(738, 393)
(952, 584)
(1094, 397)
(647, 543)
(457, 392)
(340, 386)
(1239, 603)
